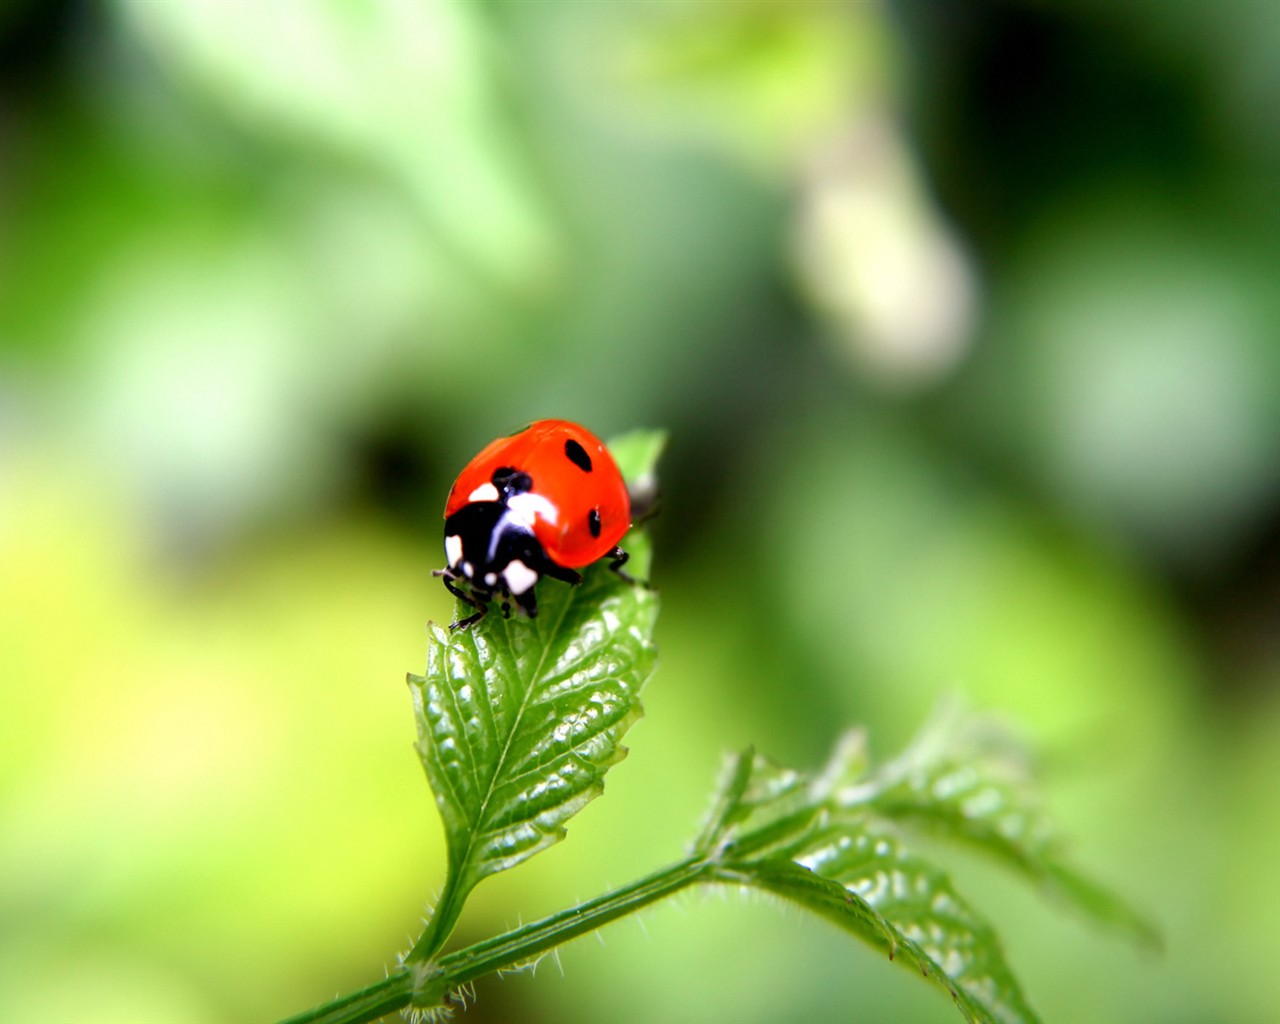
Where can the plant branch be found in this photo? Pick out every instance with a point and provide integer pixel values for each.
(392, 993)
(428, 984)
(526, 944)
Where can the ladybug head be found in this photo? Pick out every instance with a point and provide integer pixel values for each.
(495, 551)
(505, 484)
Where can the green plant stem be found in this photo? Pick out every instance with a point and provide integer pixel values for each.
(525, 944)
(516, 948)
(444, 915)
(392, 993)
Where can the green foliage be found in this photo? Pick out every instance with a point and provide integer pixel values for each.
(824, 842)
(833, 842)
(966, 780)
(637, 454)
(519, 720)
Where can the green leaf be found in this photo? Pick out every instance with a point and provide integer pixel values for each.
(813, 840)
(637, 454)
(966, 780)
(730, 804)
(933, 929)
(520, 719)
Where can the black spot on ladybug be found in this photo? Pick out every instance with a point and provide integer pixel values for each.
(593, 522)
(511, 481)
(578, 455)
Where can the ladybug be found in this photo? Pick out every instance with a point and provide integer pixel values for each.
(544, 501)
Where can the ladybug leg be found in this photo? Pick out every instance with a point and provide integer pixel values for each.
(470, 620)
(481, 609)
(559, 572)
(528, 603)
(619, 560)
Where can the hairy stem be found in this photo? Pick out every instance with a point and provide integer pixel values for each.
(527, 943)
(392, 993)
(428, 984)
(443, 917)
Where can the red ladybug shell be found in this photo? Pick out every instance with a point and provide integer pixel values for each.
(578, 505)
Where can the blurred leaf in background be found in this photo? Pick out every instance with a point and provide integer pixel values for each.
(963, 321)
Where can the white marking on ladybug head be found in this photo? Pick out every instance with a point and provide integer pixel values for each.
(519, 577)
(468, 570)
(490, 578)
(485, 492)
(453, 549)
(529, 506)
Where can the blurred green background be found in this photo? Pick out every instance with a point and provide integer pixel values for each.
(965, 323)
